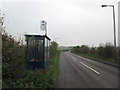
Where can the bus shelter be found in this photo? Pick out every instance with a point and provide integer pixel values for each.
(37, 50)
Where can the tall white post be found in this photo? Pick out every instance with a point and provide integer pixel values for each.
(119, 23)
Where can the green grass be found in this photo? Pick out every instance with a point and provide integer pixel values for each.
(54, 67)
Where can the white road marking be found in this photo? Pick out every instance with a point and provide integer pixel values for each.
(74, 58)
(90, 68)
(80, 56)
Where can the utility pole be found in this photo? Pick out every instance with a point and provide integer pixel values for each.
(114, 28)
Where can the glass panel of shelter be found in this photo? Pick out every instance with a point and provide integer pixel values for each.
(35, 48)
(46, 51)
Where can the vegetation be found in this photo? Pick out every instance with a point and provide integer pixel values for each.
(53, 48)
(13, 58)
(54, 55)
(103, 52)
(15, 72)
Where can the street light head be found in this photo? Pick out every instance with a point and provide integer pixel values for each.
(103, 5)
(107, 5)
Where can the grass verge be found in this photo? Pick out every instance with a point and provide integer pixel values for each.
(54, 67)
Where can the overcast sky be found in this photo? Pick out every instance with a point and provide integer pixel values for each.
(69, 22)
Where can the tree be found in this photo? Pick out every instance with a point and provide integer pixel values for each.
(106, 51)
(93, 50)
(76, 49)
(109, 51)
(100, 50)
(84, 49)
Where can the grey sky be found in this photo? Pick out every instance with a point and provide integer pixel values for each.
(73, 22)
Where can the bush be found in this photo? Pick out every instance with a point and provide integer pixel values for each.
(100, 51)
(92, 50)
(84, 49)
(13, 58)
(109, 51)
(76, 49)
(106, 51)
(14, 70)
(34, 79)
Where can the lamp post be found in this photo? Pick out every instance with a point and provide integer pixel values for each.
(114, 27)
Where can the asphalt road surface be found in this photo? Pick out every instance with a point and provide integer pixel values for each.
(79, 72)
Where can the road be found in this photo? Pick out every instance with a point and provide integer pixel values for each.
(79, 72)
